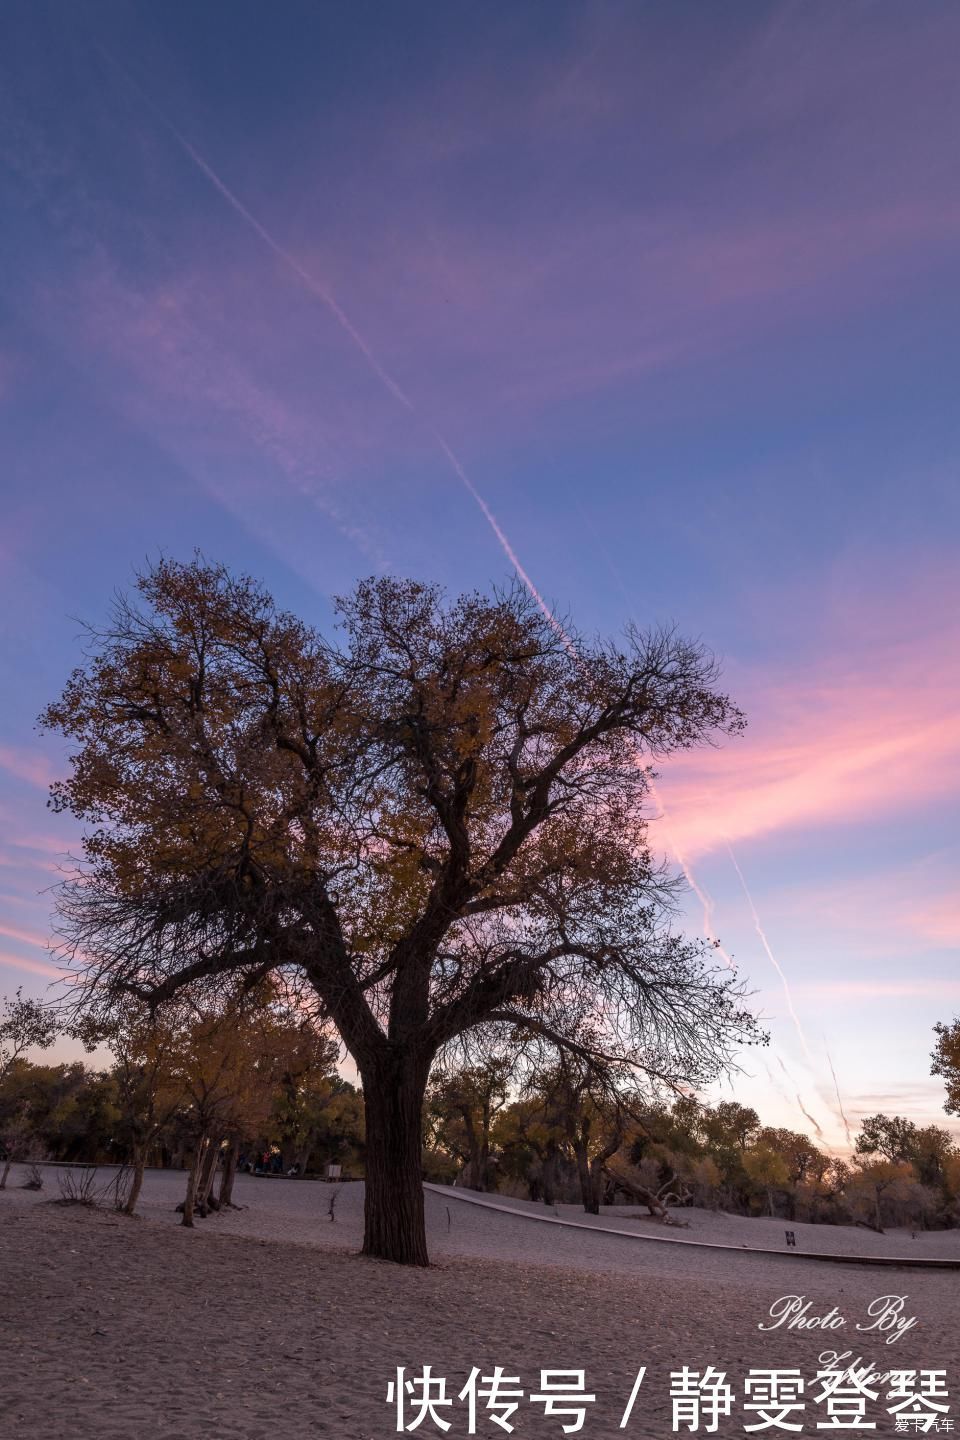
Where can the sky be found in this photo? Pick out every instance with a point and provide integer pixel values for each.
(657, 302)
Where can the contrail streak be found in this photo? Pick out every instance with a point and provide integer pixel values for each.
(791, 1080)
(770, 956)
(318, 290)
(321, 292)
(776, 1084)
(505, 544)
(809, 1117)
(843, 1113)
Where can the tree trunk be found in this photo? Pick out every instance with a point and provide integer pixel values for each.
(136, 1179)
(589, 1185)
(642, 1193)
(207, 1173)
(393, 1092)
(6, 1172)
(549, 1178)
(483, 1155)
(472, 1170)
(189, 1200)
(596, 1183)
(304, 1153)
(228, 1174)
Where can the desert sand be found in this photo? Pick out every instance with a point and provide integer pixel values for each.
(265, 1322)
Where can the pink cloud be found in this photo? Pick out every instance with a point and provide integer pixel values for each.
(877, 989)
(866, 718)
(32, 967)
(46, 853)
(45, 844)
(28, 765)
(829, 759)
(511, 321)
(514, 307)
(17, 862)
(938, 920)
(28, 937)
(891, 910)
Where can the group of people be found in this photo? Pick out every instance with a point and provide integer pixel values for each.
(269, 1163)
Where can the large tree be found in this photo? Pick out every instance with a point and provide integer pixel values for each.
(891, 1136)
(432, 823)
(147, 1051)
(461, 1108)
(594, 1122)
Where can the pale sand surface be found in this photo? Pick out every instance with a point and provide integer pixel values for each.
(712, 1227)
(281, 1209)
(263, 1323)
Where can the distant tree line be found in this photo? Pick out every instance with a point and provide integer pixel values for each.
(255, 1080)
(252, 1081)
(563, 1139)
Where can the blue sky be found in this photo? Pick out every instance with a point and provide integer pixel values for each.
(670, 290)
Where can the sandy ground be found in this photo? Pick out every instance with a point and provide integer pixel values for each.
(264, 1322)
(711, 1227)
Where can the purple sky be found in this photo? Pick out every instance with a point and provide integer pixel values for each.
(661, 300)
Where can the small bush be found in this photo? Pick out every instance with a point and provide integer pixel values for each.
(78, 1187)
(34, 1180)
